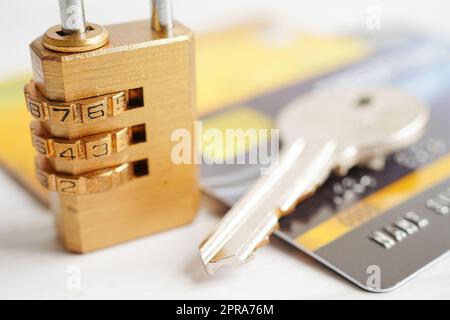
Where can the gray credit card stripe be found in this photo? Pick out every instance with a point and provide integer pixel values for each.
(376, 204)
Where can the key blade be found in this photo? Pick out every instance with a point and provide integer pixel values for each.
(249, 224)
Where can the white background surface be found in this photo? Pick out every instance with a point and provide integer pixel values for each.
(34, 265)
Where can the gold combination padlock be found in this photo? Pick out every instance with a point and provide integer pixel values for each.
(105, 102)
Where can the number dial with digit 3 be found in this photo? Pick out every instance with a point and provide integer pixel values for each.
(90, 147)
(322, 132)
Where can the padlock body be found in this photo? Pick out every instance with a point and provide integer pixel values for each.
(156, 74)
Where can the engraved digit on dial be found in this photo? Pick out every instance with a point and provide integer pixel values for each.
(66, 112)
(41, 146)
(96, 112)
(68, 154)
(67, 186)
(102, 150)
(118, 104)
(35, 109)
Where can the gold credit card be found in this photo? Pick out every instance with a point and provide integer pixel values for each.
(232, 65)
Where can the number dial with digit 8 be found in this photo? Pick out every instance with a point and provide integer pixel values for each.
(82, 111)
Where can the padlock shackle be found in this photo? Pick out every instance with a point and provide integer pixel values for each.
(162, 15)
(72, 16)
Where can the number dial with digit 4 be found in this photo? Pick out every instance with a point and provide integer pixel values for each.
(89, 147)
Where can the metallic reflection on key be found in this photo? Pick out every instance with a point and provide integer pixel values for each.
(322, 133)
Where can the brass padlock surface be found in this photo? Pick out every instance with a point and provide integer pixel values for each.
(102, 129)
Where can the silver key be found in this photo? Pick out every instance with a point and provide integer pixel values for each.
(321, 133)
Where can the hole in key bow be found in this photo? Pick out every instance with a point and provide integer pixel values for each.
(364, 101)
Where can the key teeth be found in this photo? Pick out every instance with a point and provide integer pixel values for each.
(377, 164)
(341, 171)
(264, 243)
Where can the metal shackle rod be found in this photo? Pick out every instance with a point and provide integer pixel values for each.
(72, 16)
(162, 15)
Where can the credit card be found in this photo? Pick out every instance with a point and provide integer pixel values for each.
(377, 229)
(233, 64)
